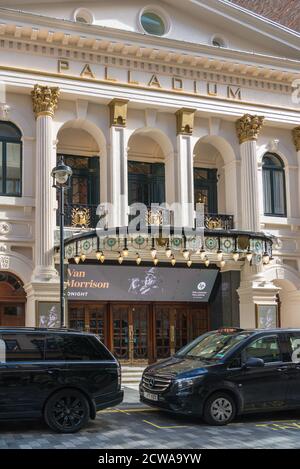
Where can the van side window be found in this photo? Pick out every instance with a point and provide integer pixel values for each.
(294, 340)
(24, 347)
(267, 348)
(75, 347)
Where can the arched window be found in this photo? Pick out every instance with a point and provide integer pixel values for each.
(274, 186)
(10, 159)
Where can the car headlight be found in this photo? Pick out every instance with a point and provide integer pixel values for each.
(187, 384)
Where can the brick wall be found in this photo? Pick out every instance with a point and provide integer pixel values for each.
(286, 12)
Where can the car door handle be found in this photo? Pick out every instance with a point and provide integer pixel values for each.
(282, 368)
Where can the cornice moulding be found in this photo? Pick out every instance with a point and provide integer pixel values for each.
(87, 33)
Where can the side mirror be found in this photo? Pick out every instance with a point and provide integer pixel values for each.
(253, 362)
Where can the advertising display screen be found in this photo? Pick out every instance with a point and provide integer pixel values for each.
(115, 283)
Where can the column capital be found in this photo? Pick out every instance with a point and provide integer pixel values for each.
(44, 100)
(296, 137)
(185, 121)
(118, 112)
(248, 127)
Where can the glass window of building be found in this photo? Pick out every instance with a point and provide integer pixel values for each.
(10, 160)
(274, 186)
(153, 23)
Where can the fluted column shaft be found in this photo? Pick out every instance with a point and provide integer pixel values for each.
(184, 167)
(248, 128)
(44, 105)
(185, 180)
(249, 186)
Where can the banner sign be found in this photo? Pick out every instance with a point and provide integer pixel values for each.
(116, 283)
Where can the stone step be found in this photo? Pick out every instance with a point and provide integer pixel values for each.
(132, 375)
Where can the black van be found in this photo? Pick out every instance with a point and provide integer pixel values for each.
(228, 372)
(63, 376)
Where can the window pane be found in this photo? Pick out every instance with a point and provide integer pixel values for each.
(295, 345)
(279, 195)
(13, 168)
(153, 24)
(267, 191)
(13, 310)
(23, 347)
(266, 348)
(8, 130)
(1, 167)
(77, 348)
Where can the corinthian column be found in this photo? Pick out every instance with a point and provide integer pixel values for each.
(44, 101)
(248, 128)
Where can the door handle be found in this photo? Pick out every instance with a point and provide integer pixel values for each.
(282, 368)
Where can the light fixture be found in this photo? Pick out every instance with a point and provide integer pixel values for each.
(138, 259)
(266, 258)
(61, 173)
(153, 249)
(98, 255)
(222, 263)
(219, 255)
(120, 258)
(77, 259)
(189, 263)
(249, 255)
(186, 254)
(235, 256)
(125, 251)
(102, 257)
(82, 257)
(207, 262)
(173, 261)
(168, 252)
(202, 254)
(155, 261)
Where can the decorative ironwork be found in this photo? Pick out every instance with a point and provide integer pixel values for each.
(218, 222)
(81, 216)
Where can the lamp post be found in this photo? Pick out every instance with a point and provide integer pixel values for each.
(61, 177)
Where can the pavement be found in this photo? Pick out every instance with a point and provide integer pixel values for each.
(134, 425)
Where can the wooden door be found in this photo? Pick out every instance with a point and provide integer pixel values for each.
(130, 332)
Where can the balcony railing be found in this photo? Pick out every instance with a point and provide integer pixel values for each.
(214, 221)
(81, 216)
(157, 216)
(84, 216)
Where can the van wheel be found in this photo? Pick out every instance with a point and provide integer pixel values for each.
(219, 409)
(67, 411)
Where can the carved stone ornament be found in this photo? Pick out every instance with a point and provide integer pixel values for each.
(44, 100)
(296, 137)
(5, 228)
(4, 262)
(118, 112)
(185, 121)
(249, 127)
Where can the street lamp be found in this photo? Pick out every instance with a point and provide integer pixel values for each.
(61, 177)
